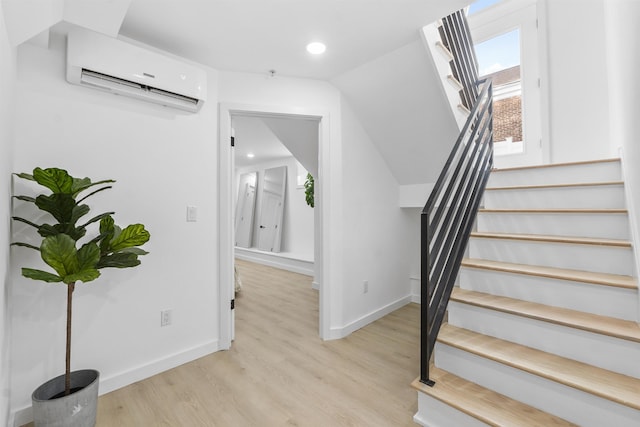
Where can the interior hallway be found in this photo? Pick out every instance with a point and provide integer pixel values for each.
(278, 371)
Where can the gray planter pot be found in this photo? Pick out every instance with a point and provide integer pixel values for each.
(78, 409)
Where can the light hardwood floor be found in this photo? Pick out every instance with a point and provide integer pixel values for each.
(279, 372)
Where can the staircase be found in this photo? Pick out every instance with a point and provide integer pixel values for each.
(542, 329)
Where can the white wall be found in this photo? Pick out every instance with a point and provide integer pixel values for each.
(163, 161)
(297, 225)
(578, 97)
(375, 247)
(623, 61)
(7, 103)
(363, 226)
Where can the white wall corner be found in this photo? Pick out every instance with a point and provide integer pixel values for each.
(103, 16)
(633, 225)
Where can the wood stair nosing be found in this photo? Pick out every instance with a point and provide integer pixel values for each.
(552, 165)
(551, 186)
(553, 239)
(593, 278)
(609, 385)
(603, 325)
(486, 405)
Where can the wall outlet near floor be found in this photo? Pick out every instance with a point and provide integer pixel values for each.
(365, 286)
(165, 317)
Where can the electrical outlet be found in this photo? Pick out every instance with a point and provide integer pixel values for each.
(165, 318)
(365, 286)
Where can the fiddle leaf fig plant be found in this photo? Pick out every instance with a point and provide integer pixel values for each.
(65, 246)
(308, 190)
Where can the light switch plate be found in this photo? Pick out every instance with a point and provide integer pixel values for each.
(192, 213)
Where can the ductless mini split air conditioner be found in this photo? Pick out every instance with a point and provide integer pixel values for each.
(108, 64)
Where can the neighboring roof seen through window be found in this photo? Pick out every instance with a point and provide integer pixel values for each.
(481, 4)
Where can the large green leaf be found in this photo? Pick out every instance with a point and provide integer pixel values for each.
(106, 224)
(133, 235)
(88, 256)
(56, 180)
(61, 206)
(86, 275)
(40, 275)
(60, 253)
(78, 212)
(119, 260)
(107, 231)
(46, 230)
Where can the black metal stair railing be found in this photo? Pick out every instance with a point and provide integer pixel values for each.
(449, 214)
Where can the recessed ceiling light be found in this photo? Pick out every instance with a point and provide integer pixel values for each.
(316, 48)
(251, 155)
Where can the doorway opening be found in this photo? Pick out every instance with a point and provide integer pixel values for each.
(288, 125)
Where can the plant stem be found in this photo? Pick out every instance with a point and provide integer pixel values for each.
(67, 372)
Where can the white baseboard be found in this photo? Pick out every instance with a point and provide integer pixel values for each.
(113, 382)
(415, 289)
(276, 260)
(315, 285)
(341, 332)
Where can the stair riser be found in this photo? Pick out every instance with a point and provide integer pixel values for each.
(566, 402)
(597, 299)
(596, 258)
(434, 413)
(595, 349)
(592, 197)
(593, 172)
(609, 226)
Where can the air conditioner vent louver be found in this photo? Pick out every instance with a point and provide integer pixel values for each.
(104, 81)
(100, 62)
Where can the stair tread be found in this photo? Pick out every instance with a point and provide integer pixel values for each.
(606, 279)
(486, 405)
(553, 239)
(610, 385)
(555, 210)
(551, 165)
(568, 185)
(617, 328)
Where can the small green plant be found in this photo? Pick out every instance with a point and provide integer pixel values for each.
(65, 246)
(308, 190)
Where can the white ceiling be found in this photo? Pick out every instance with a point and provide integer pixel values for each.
(252, 135)
(262, 35)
